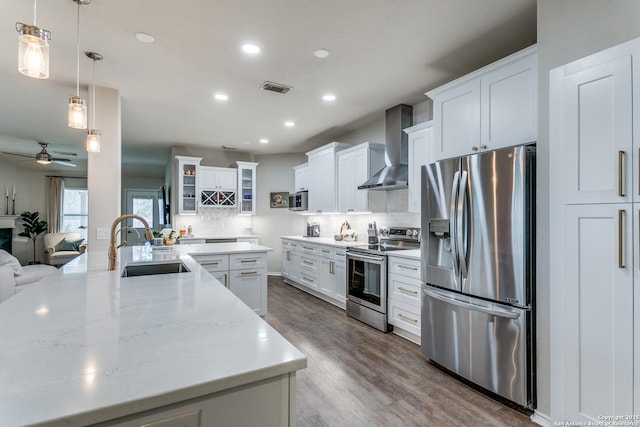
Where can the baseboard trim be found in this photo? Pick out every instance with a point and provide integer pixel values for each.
(541, 419)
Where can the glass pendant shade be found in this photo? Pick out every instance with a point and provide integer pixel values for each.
(33, 51)
(77, 116)
(93, 141)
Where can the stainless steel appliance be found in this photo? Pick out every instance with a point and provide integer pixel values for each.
(299, 201)
(367, 274)
(478, 269)
(313, 229)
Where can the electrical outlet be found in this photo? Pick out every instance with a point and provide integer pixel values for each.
(103, 233)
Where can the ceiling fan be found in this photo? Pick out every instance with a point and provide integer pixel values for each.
(44, 158)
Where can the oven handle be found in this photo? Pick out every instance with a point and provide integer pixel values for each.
(360, 257)
(470, 306)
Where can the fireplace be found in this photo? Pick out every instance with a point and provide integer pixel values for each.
(6, 236)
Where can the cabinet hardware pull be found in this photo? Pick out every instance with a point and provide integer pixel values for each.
(474, 148)
(331, 270)
(210, 263)
(407, 267)
(248, 273)
(620, 173)
(307, 279)
(483, 147)
(225, 281)
(620, 242)
(307, 263)
(407, 318)
(307, 248)
(409, 291)
(244, 261)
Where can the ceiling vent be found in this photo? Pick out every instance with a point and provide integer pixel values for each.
(276, 87)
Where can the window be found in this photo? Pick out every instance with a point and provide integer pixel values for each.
(143, 206)
(75, 218)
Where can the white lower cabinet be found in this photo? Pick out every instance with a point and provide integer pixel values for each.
(403, 284)
(245, 274)
(316, 268)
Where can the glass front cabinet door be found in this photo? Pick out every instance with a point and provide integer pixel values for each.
(187, 184)
(247, 188)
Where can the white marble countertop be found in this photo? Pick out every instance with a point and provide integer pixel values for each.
(327, 241)
(86, 345)
(220, 237)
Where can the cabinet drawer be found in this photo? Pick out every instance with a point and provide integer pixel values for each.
(308, 279)
(404, 316)
(309, 249)
(404, 267)
(247, 260)
(325, 252)
(405, 289)
(212, 262)
(309, 264)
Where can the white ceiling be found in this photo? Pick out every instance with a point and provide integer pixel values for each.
(382, 53)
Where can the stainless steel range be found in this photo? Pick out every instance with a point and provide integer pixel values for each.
(367, 274)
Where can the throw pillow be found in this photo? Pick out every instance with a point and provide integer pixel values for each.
(69, 245)
(8, 260)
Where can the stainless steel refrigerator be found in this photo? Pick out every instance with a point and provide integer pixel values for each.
(478, 269)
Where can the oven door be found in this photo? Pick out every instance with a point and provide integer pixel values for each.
(367, 280)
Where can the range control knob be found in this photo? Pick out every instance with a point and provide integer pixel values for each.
(414, 233)
(385, 232)
(408, 232)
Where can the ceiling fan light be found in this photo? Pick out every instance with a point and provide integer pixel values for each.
(93, 141)
(77, 113)
(33, 51)
(43, 157)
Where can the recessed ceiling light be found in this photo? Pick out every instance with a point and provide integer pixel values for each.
(329, 97)
(247, 142)
(264, 141)
(145, 38)
(321, 53)
(289, 124)
(221, 97)
(250, 48)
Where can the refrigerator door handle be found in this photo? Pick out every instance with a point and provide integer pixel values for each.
(469, 306)
(460, 230)
(453, 227)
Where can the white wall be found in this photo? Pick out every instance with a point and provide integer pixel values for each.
(567, 30)
(275, 174)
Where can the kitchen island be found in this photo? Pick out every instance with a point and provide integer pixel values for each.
(87, 346)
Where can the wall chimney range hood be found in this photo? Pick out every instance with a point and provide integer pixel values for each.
(395, 174)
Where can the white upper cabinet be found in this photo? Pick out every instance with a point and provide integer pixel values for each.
(355, 166)
(188, 174)
(323, 177)
(493, 107)
(218, 186)
(420, 145)
(247, 188)
(301, 177)
(597, 134)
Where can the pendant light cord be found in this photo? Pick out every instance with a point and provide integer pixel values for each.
(35, 23)
(78, 53)
(93, 101)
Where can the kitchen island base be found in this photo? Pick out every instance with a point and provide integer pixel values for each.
(269, 402)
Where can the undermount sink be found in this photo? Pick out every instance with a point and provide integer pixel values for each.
(148, 269)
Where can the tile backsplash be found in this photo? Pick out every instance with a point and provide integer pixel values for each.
(210, 222)
(330, 224)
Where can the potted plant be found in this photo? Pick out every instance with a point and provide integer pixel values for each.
(170, 239)
(33, 227)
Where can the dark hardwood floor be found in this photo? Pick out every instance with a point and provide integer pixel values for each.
(358, 376)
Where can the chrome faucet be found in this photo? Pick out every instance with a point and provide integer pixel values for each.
(113, 250)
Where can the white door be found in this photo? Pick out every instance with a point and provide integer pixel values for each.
(596, 316)
(597, 134)
(143, 203)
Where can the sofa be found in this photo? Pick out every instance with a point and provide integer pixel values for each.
(60, 248)
(15, 277)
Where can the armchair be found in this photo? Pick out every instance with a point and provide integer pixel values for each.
(61, 248)
(14, 277)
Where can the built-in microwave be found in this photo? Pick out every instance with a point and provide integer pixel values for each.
(299, 201)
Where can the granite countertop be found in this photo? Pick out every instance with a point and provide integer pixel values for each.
(86, 345)
(328, 241)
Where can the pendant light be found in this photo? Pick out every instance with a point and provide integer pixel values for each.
(93, 135)
(77, 113)
(33, 49)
